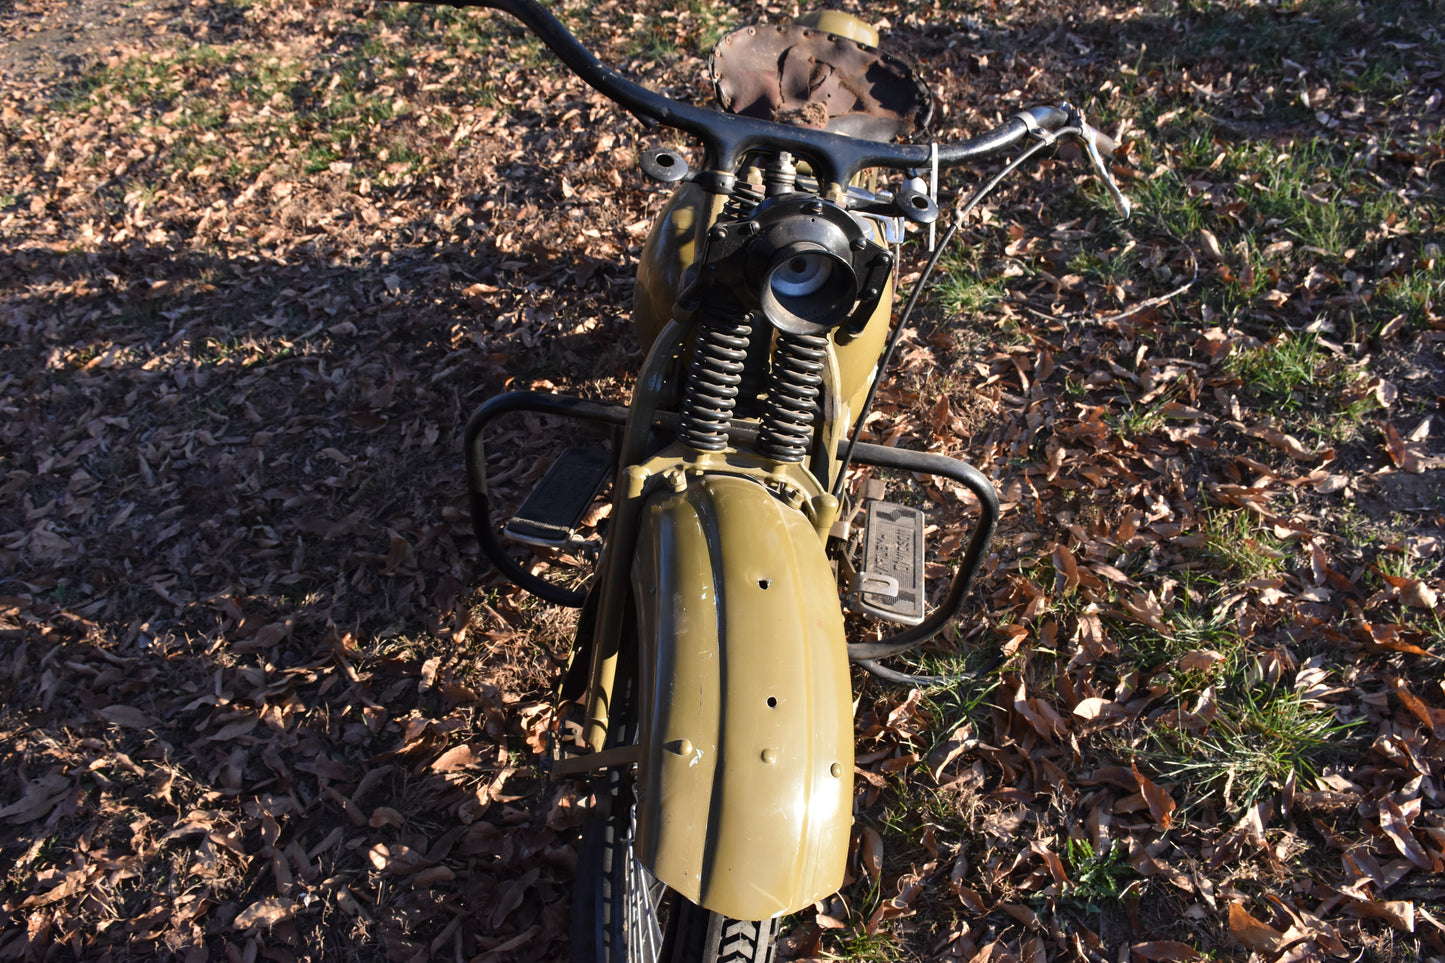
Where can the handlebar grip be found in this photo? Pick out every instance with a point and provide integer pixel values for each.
(1002, 138)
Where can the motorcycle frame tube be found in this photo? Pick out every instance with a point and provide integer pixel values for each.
(746, 768)
(633, 483)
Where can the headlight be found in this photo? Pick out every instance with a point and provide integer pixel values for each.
(808, 289)
(803, 259)
(804, 262)
(801, 273)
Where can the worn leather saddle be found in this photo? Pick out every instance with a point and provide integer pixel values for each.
(823, 71)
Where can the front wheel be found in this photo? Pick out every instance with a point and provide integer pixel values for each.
(621, 914)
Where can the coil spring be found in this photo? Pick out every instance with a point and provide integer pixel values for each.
(712, 379)
(787, 421)
(780, 175)
(742, 202)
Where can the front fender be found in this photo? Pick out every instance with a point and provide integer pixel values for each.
(746, 774)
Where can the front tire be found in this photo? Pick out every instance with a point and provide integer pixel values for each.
(622, 914)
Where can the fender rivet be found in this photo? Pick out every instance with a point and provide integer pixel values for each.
(837, 770)
(770, 756)
(680, 746)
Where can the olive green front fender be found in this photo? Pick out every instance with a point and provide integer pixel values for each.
(746, 772)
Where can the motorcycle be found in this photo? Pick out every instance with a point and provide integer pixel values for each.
(711, 657)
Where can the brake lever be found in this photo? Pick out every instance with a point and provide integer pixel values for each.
(1091, 138)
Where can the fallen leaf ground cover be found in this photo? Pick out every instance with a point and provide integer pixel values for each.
(260, 699)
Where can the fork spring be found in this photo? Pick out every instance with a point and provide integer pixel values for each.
(787, 421)
(713, 377)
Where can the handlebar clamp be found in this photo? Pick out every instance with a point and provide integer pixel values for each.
(1032, 127)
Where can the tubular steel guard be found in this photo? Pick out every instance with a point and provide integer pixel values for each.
(974, 481)
(611, 413)
(605, 412)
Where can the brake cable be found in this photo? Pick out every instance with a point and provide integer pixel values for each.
(895, 335)
(1043, 138)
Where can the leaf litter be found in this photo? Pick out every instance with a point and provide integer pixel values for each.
(262, 701)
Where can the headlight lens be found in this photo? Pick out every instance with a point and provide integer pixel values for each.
(800, 275)
(807, 288)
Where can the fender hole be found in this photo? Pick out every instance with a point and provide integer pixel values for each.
(763, 583)
(772, 702)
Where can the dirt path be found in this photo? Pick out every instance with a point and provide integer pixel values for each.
(45, 40)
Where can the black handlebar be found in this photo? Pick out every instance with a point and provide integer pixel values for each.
(835, 158)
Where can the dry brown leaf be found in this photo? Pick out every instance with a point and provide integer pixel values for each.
(962, 740)
(1145, 607)
(39, 798)
(1399, 914)
(512, 896)
(127, 717)
(1407, 456)
(73, 882)
(1431, 717)
(1211, 245)
(458, 757)
(1413, 592)
(899, 907)
(1052, 861)
(385, 816)
(265, 913)
(1253, 933)
(1067, 568)
(1161, 804)
(1095, 708)
(1165, 951)
(870, 853)
(1396, 825)
(432, 877)
(1200, 660)
(1288, 444)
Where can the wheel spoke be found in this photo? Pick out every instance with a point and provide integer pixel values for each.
(643, 894)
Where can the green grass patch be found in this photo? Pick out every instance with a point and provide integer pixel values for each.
(962, 286)
(1201, 648)
(1320, 393)
(1417, 294)
(1289, 373)
(1268, 34)
(1098, 877)
(964, 699)
(1260, 737)
(1238, 542)
(665, 35)
(1139, 420)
